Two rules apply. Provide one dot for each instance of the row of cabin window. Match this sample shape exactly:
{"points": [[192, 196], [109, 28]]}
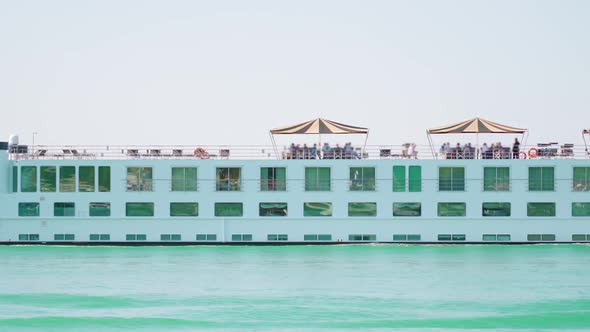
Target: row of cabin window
{"points": [[308, 237], [310, 209], [274, 179]]}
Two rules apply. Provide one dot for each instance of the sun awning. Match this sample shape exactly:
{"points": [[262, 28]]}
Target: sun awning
{"points": [[586, 131], [319, 126], [477, 126]]}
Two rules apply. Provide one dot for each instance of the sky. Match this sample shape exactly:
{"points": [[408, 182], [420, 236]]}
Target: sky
{"points": [[225, 72]]}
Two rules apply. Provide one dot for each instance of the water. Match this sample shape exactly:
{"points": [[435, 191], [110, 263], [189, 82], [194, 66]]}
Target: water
{"points": [[295, 288]]}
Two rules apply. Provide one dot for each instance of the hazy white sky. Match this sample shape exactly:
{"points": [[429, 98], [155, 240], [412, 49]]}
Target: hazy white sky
{"points": [[208, 72]]}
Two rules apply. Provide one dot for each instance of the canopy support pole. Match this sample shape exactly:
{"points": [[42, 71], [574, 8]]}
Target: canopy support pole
{"points": [[274, 144], [365, 145], [431, 144], [585, 143], [477, 145]]}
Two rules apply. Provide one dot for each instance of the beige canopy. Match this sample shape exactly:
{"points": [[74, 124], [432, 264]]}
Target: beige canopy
{"points": [[319, 126], [476, 126]]}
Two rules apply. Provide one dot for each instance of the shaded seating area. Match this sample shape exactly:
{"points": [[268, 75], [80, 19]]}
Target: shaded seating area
{"points": [[320, 127]]}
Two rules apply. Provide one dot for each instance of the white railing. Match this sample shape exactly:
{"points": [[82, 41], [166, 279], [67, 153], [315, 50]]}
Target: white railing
{"points": [[244, 152]]}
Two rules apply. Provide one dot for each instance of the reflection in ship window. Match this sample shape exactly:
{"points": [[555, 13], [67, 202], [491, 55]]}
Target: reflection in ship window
{"points": [[362, 209], [67, 179], [228, 179], [496, 178], [184, 179], [273, 179], [86, 178], [48, 178], [139, 179], [28, 179], [362, 179], [317, 179]]}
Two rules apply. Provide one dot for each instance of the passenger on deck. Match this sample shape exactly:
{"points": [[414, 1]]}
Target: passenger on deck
{"points": [[412, 152], [313, 151], [515, 148], [484, 151]]}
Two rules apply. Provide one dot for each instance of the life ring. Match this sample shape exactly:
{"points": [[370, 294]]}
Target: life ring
{"points": [[533, 153], [200, 153], [522, 155]]}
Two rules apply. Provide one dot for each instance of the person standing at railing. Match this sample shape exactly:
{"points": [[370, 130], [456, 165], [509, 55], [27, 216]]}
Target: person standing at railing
{"points": [[515, 148]]}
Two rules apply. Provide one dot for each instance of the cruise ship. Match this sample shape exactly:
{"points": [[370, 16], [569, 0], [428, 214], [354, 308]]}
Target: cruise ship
{"points": [[293, 194]]}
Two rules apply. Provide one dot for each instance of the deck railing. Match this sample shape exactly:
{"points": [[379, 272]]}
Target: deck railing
{"points": [[245, 152]]}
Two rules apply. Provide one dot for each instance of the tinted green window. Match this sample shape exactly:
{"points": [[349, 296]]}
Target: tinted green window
{"points": [[533, 237], [407, 209], [23, 237], [496, 178], [139, 179], [547, 237], [94, 237], [184, 179], [206, 237], [100, 237], [184, 209], [495, 209], [66, 209], [317, 209], [451, 209], [130, 237], [362, 178], [400, 237], [99, 209], [451, 179], [414, 237], [324, 237], [581, 179], [277, 237], [399, 178], [48, 179], [310, 237], [104, 178], [541, 209], [14, 179], [64, 237], [241, 237], [541, 179], [28, 209], [489, 237], [362, 237], [415, 178], [273, 179], [165, 237], [139, 209], [228, 179], [458, 237], [317, 179], [86, 178], [503, 237], [444, 237], [579, 237], [273, 209], [28, 179], [67, 179], [229, 209], [175, 237], [580, 209], [362, 209], [141, 237]]}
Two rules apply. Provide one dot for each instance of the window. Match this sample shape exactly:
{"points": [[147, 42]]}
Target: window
{"points": [[184, 179], [241, 237], [139, 209], [541, 179], [64, 209], [541, 237], [581, 237], [273, 209], [206, 237], [135, 237], [362, 209], [496, 179], [86, 179], [104, 179], [317, 209], [451, 179], [495, 209], [362, 237], [64, 237], [317, 237], [99, 209], [100, 237], [277, 237], [28, 179], [48, 179], [541, 209], [407, 209], [451, 237], [415, 178], [451, 209], [229, 209], [399, 178], [170, 237], [28, 237], [139, 179], [317, 179], [184, 209], [580, 209], [14, 179], [28, 209], [581, 179], [228, 179], [273, 179], [406, 237], [495, 237], [67, 179], [362, 179]]}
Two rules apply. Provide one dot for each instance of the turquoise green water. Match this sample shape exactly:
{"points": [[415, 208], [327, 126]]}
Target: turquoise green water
{"points": [[295, 288]]}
